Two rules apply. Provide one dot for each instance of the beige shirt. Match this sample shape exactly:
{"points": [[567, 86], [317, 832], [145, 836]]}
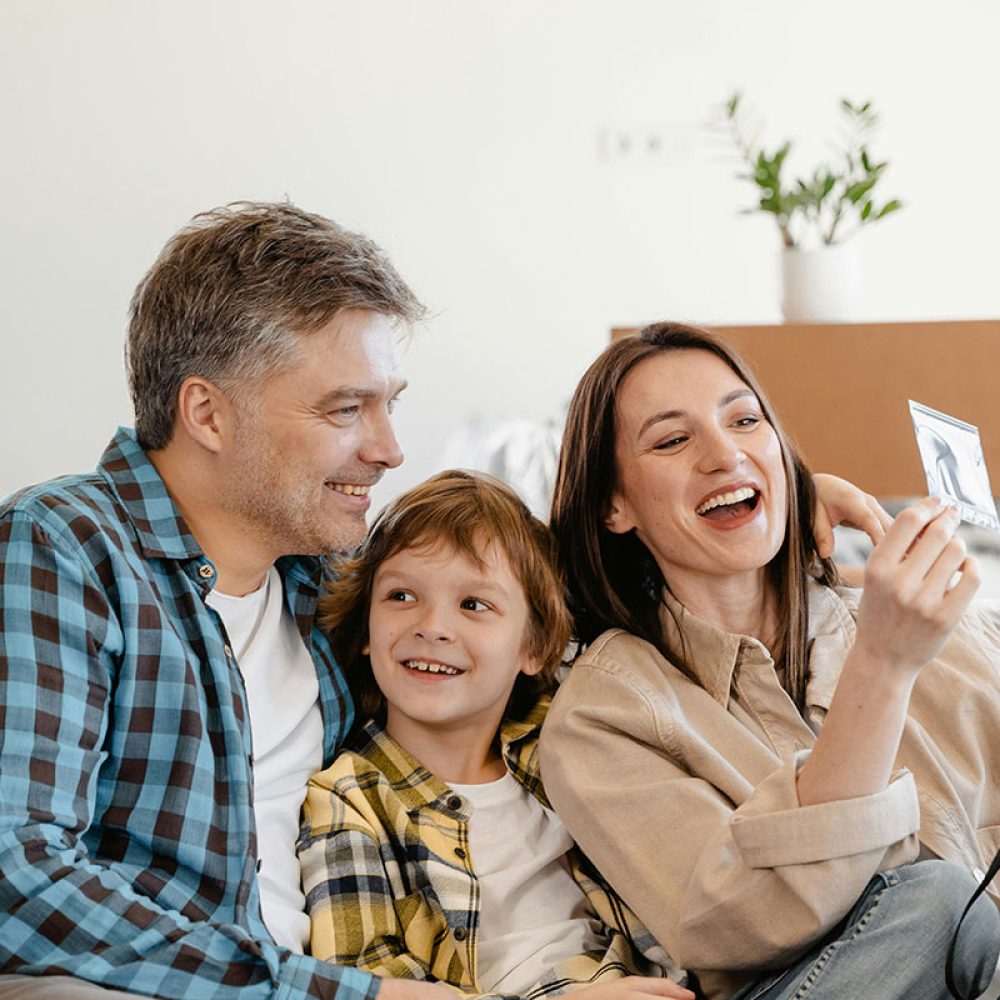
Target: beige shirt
{"points": [[683, 793]]}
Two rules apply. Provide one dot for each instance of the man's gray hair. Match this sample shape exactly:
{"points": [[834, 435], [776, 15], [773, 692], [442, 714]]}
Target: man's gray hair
{"points": [[231, 293]]}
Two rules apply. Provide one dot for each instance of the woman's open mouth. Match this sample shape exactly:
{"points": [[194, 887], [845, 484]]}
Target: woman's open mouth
{"points": [[729, 505]]}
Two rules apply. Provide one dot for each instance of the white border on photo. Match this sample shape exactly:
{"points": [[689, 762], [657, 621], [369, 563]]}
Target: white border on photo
{"points": [[954, 464]]}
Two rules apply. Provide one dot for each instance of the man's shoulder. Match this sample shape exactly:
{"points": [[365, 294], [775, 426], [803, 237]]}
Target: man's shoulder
{"points": [[79, 505]]}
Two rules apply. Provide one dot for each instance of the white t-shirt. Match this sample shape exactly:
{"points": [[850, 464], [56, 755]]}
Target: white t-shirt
{"points": [[532, 914], [287, 730]]}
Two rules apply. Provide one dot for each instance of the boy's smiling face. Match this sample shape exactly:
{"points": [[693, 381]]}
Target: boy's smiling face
{"points": [[447, 642]]}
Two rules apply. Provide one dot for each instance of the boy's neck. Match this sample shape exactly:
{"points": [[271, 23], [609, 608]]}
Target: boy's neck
{"points": [[454, 756]]}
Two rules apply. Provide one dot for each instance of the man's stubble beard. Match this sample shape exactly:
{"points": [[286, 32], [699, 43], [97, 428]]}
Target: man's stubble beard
{"points": [[264, 493]]}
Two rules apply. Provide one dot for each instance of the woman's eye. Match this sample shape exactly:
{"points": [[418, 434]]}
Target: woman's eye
{"points": [[474, 604], [751, 421], [669, 443]]}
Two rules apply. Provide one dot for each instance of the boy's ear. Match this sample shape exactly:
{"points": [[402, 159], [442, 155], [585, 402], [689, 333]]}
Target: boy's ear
{"points": [[616, 518]]}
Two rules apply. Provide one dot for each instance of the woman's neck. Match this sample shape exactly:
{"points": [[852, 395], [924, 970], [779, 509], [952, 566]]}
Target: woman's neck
{"points": [[744, 604]]}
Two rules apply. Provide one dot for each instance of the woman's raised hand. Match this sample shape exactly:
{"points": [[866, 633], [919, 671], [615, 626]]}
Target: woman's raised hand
{"points": [[912, 601], [841, 502]]}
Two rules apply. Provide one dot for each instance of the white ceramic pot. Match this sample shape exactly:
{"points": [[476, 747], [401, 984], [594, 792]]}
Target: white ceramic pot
{"points": [[820, 286]]}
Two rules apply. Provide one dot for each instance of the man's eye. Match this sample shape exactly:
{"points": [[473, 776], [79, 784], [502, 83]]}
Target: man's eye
{"points": [[474, 604], [347, 412], [391, 405]]}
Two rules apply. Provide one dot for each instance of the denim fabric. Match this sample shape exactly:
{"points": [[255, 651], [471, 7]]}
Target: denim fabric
{"points": [[894, 942]]}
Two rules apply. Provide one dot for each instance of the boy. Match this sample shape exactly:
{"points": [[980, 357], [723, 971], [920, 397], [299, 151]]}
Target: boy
{"points": [[428, 849]]}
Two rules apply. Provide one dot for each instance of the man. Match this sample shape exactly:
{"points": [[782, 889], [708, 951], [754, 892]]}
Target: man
{"points": [[164, 692]]}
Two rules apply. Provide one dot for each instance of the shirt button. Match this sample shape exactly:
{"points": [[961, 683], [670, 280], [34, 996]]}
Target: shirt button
{"points": [[205, 571], [455, 803], [978, 874], [459, 853], [461, 934], [229, 651]]}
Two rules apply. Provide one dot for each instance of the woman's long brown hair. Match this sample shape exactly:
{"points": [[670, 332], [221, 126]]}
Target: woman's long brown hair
{"points": [[613, 579]]}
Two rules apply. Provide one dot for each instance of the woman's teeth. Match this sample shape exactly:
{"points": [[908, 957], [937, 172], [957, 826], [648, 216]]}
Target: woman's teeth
{"points": [[422, 666], [724, 499]]}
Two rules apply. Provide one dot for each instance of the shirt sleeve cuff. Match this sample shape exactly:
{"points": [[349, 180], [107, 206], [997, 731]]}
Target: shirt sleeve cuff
{"points": [[771, 829], [302, 976]]}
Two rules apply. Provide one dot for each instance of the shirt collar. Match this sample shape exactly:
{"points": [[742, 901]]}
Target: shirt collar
{"points": [[160, 526], [158, 523], [418, 788], [712, 655]]}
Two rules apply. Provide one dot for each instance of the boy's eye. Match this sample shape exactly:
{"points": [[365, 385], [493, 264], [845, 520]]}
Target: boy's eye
{"points": [[399, 595], [474, 604]]}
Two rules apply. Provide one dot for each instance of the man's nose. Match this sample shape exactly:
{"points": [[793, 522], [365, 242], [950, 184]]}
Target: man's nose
{"points": [[381, 446]]}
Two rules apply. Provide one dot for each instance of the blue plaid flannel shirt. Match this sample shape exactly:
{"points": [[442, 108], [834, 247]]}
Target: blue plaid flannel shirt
{"points": [[127, 841]]}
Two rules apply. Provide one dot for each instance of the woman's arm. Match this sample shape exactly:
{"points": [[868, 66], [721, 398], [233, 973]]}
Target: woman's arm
{"points": [[696, 823], [908, 611]]}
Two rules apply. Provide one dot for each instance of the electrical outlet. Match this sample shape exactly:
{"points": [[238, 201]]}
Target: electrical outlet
{"points": [[642, 143]]}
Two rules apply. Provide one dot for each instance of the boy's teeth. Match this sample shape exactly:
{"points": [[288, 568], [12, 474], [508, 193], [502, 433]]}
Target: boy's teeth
{"points": [[721, 499], [430, 668]]}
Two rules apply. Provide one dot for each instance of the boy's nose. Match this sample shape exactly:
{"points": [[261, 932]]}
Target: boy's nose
{"points": [[433, 629]]}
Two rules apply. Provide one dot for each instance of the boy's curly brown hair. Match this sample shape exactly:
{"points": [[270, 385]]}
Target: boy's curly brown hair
{"points": [[469, 511]]}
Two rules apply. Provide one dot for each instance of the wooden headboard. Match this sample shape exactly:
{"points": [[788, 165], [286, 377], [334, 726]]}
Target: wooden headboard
{"points": [[841, 390]]}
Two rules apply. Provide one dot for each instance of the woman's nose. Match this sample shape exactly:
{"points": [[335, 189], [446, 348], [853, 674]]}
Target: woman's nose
{"points": [[720, 452]]}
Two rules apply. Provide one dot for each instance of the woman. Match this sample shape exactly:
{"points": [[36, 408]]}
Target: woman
{"points": [[753, 757]]}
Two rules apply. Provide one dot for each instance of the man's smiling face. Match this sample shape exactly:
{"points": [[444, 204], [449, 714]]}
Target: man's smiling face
{"points": [[312, 440]]}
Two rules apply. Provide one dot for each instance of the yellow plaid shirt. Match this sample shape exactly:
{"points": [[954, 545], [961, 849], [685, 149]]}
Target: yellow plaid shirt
{"points": [[389, 878]]}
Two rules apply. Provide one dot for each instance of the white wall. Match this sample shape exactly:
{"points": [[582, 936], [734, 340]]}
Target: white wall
{"points": [[463, 136]]}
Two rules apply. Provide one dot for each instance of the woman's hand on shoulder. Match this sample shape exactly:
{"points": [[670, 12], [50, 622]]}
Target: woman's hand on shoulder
{"points": [[632, 988], [841, 502], [912, 600]]}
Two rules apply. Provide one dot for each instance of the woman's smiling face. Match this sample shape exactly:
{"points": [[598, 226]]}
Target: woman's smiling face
{"points": [[700, 476]]}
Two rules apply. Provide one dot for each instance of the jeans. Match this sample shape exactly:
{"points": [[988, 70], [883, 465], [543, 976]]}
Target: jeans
{"points": [[894, 942]]}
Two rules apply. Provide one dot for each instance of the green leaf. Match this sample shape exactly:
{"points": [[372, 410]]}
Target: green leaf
{"points": [[866, 211], [889, 206], [856, 192]]}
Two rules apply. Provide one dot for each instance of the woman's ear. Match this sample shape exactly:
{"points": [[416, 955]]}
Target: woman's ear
{"points": [[531, 666], [616, 517]]}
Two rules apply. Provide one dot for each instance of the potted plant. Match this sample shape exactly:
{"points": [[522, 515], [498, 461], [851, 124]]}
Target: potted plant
{"points": [[818, 213]]}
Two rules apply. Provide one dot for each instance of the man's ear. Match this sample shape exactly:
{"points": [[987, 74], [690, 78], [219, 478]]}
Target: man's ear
{"points": [[204, 413], [616, 518]]}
